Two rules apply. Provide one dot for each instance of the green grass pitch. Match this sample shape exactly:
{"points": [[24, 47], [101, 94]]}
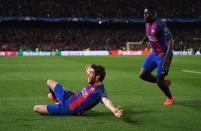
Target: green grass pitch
{"points": [[23, 84]]}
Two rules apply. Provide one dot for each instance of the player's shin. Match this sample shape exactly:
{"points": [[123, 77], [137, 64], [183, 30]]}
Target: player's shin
{"points": [[51, 91], [52, 96], [152, 78], [165, 89]]}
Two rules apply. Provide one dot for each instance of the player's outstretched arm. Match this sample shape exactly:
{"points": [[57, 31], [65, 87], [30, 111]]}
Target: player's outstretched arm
{"points": [[116, 110]]}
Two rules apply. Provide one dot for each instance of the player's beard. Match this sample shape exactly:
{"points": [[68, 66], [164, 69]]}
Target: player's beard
{"points": [[92, 81], [150, 19]]}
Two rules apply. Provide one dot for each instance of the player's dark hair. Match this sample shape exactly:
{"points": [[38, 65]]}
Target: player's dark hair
{"points": [[151, 8], [99, 70]]}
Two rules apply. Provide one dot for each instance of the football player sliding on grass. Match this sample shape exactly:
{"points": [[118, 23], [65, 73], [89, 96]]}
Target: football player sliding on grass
{"points": [[69, 103]]}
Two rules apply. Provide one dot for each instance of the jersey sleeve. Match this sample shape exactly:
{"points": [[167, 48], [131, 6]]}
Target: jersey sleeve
{"points": [[102, 93], [164, 30]]}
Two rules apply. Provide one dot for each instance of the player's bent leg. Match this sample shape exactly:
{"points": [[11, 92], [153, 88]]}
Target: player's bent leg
{"points": [[42, 109], [52, 84], [143, 74], [53, 98], [147, 76]]}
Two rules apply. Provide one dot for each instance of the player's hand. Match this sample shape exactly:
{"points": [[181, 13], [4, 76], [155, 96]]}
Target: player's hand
{"points": [[118, 112]]}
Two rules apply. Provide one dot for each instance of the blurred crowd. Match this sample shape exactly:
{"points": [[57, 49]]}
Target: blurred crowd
{"points": [[68, 36], [81, 37], [99, 8], [65, 38], [187, 37]]}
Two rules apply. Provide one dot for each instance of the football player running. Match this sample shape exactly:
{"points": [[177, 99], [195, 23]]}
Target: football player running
{"points": [[161, 40]]}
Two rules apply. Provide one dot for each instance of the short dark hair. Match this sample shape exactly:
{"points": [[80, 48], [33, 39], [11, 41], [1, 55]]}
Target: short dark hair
{"points": [[99, 70], [151, 8]]}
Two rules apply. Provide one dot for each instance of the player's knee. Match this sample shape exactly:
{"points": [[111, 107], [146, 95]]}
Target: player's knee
{"points": [[49, 82], [142, 76], [159, 82], [52, 84], [36, 108]]}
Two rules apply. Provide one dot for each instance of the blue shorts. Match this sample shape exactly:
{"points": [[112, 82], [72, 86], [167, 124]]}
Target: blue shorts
{"points": [[63, 107], [153, 61]]}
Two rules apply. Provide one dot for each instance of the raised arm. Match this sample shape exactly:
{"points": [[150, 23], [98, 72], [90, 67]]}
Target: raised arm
{"points": [[115, 110]]}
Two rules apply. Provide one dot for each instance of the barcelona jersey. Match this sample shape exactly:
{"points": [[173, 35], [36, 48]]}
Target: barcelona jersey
{"points": [[76, 104], [89, 96], [158, 33]]}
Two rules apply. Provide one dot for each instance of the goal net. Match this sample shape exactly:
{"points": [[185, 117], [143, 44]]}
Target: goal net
{"points": [[133, 45]]}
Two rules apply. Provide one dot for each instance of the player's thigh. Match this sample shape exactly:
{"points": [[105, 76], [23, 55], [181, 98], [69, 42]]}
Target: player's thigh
{"points": [[58, 109], [149, 64], [61, 93]]}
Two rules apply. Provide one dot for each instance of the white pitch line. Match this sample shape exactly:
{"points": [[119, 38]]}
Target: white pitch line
{"points": [[189, 71]]}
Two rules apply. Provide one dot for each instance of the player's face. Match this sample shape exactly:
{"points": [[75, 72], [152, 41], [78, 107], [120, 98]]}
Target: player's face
{"points": [[148, 15], [91, 77]]}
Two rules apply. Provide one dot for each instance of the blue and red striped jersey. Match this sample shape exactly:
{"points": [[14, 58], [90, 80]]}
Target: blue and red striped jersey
{"points": [[87, 98], [158, 33]]}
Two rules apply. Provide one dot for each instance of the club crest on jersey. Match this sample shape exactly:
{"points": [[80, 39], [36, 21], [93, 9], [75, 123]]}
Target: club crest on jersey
{"points": [[92, 89], [84, 92], [150, 38]]}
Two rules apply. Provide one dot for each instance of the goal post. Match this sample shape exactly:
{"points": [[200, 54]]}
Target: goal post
{"points": [[133, 45]]}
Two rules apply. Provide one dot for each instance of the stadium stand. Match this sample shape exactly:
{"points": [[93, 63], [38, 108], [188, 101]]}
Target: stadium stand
{"points": [[16, 35], [99, 8]]}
